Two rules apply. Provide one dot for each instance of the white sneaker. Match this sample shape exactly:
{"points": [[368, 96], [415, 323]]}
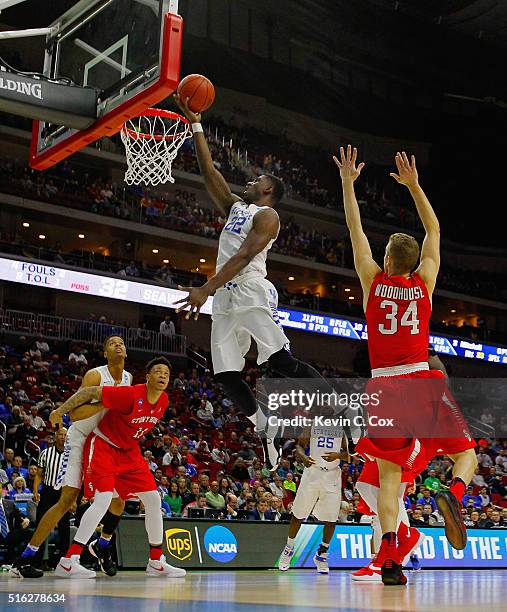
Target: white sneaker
{"points": [[71, 568], [161, 568], [321, 563], [284, 563]]}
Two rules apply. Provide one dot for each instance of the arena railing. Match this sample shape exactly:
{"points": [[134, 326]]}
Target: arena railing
{"points": [[78, 330]]}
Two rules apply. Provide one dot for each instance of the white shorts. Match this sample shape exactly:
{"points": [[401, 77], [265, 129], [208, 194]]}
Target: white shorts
{"points": [[370, 494], [245, 310], [319, 494], [70, 473]]}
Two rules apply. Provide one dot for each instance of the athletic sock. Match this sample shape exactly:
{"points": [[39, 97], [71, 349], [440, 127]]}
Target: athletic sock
{"points": [[458, 488], [30, 551], [155, 552], [74, 549], [290, 542], [323, 549], [403, 531], [104, 542]]}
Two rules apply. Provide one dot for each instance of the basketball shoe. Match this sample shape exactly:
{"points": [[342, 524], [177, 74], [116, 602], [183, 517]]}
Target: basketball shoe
{"points": [[368, 573], [162, 568], [71, 568], [450, 509], [284, 563], [104, 555]]}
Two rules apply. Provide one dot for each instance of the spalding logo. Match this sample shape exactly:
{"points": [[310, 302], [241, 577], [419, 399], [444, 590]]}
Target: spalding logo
{"points": [[220, 544]]}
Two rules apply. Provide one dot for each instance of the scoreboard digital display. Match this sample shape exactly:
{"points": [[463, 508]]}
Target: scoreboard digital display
{"points": [[52, 277]]}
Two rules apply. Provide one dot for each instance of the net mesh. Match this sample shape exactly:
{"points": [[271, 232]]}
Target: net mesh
{"points": [[152, 142]]}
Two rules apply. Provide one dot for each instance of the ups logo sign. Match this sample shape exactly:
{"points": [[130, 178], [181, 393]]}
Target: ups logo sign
{"points": [[179, 543]]}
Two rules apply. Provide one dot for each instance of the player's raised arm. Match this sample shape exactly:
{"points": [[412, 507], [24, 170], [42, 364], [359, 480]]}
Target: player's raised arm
{"points": [[265, 227], [430, 252], [366, 267], [216, 185]]}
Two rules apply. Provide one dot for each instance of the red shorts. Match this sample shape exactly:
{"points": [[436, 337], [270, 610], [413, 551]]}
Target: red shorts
{"points": [[369, 474], [107, 468], [420, 405]]}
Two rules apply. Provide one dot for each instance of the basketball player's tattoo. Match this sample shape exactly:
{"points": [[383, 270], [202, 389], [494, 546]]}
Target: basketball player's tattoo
{"points": [[82, 396]]}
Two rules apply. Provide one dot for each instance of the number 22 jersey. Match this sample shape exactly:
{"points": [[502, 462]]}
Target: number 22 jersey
{"points": [[129, 416], [398, 312]]}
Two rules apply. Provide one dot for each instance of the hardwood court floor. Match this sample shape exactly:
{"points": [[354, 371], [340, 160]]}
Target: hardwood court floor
{"points": [[266, 591]]}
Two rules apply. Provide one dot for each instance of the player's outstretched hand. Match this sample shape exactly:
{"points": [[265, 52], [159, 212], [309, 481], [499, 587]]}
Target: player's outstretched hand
{"points": [[183, 106], [407, 171], [347, 163], [308, 460], [195, 299], [331, 456], [55, 418]]}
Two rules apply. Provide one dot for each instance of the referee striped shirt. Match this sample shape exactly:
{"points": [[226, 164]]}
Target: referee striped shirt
{"points": [[50, 460]]}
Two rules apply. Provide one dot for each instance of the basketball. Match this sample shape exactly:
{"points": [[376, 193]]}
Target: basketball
{"points": [[199, 90]]}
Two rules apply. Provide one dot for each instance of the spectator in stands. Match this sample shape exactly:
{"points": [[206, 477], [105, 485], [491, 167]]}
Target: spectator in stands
{"points": [[289, 487], [7, 459], [167, 327], [35, 420], [472, 520], [247, 452], [470, 499], [276, 507], [203, 480], [231, 505], [416, 519], [205, 413], [158, 450], [19, 488], [200, 502], [426, 498], [42, 345], [174, 499], [77, 357], [19, 394], [432, 482], [180, 381], [4, 479], [478, 479], [483, 459], [24, 432], [220, 455], [149, 460], [495, 521], [131, 269], [484, 497], [261, 512], [17, 467], [501, 462], [16, 535], [30, 481], [163, 486], [495, 482], [239, 470], [192, 494], [214, 498]]}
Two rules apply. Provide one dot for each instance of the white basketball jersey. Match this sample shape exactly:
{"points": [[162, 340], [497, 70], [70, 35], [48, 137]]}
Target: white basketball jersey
{"points": [[86, 426], [239, 223], [325, 440]]}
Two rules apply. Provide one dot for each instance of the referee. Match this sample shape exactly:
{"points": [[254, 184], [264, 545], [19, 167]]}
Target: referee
{"points": [[48, 467]]}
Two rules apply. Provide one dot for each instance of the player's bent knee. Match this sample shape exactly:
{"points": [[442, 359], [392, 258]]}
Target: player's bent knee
{"points": [[68, 496], [117, 505]]}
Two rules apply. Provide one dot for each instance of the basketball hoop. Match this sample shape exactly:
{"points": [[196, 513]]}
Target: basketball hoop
{"points": [[152, 141]]}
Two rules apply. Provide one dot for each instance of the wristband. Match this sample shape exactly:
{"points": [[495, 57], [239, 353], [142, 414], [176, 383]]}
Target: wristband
{"points": [[197, 127]]}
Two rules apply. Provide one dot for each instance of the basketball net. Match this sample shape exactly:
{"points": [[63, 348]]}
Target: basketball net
{"points": [[152, 141]]}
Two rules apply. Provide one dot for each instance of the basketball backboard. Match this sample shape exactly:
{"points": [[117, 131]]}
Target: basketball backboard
{"points": [[128, 50]]}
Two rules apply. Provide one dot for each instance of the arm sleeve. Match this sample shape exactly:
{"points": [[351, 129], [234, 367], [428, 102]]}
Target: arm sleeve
{"points": [[119, 399]]}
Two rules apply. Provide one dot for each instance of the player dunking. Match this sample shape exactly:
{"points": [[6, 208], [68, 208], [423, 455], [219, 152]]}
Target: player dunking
{"points": [[112, 461], [397, 303], [70, 477], [245, 302]]}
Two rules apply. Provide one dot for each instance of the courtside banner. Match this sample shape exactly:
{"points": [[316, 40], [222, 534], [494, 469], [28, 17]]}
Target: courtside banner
{"points": [[202, 544], [31, 272]]}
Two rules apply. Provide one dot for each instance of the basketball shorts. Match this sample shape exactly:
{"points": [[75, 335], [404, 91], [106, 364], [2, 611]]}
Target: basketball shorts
{"points": [[70, 473], [243, 310], [107, 468], [368, 486], [420, 410], [319, 494]]}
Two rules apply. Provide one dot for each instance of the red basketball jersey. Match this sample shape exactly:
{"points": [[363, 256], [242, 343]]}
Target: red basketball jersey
{"points": [[129, 416], [398, 312]]}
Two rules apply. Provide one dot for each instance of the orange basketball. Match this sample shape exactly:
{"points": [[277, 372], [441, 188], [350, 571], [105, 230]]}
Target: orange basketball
{"points": [[199, 90]]}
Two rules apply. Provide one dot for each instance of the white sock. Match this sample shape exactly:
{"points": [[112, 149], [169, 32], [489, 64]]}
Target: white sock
{"points": [[92, 517], [153, 518], [290, 542], [259, 420]]}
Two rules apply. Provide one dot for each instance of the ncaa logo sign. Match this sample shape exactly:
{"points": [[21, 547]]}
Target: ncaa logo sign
{"points": [[179, 543], [220, 544]]}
